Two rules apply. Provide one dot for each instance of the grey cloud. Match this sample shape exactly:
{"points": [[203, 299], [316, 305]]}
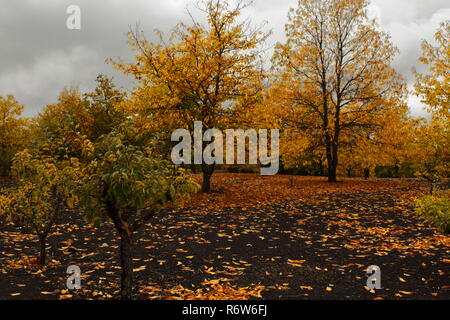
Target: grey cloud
{"points": [[39, 56]]}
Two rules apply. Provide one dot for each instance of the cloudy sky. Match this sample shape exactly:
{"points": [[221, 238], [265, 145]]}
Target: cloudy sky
{"points": [[39, 55]]}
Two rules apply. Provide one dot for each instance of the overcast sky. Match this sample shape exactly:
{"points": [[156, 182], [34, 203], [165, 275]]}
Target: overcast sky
{"points": [[39, 55]]}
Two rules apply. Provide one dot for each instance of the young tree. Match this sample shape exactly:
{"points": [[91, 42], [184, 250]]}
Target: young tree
{"points": [[199, 75], [128, 185], [101, 106], [335, 69], [14, 131], [44, 188], [62, 127]]}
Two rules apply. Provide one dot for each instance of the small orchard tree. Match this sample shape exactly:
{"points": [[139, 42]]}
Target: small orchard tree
{"points": [[128, 185], [31, 208], [101, 108], [44, 188], [62, 127], [14, 131]]}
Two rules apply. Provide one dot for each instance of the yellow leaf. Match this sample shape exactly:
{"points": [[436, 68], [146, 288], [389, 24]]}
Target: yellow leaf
{"points": [[306, 288], [139, 269]]}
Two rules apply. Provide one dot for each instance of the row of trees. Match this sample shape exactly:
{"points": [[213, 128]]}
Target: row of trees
{"points": [[84, 154], [331, 91]]}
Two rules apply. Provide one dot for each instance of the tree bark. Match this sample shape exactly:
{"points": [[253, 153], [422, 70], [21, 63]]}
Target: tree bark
{"points": [[397, 171], [432, 186], [43, 253], [208, 171], [332, 155], [366, 173], [332, 168], [321, 168], [330, 160], [126, 262], [349, 172]]}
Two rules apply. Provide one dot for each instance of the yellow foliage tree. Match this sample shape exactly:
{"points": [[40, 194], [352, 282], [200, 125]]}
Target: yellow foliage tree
{"points": [[61, 127], [45, 186], [204, 73], [14, 131], [433, 138], [434, 86], [334, 74], [389, 143]]}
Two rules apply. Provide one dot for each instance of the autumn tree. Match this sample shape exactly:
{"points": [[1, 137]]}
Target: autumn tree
{"points": [[432, 155], [45, 187], [14, 131], [101, 106], [128, 185], [389, 143], [433, 138], [434, 86], [334, 74], [62, 127], [200, 74]]}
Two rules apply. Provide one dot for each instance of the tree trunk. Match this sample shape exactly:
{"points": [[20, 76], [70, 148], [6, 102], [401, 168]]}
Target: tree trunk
{"points": [[321, 168], [366, 173], [43, 253], [332, 176], [397, 170], [206, 183], [331, 149], [432, 186], [331, 168], [126, 262], [349, 172], [208, 171]]}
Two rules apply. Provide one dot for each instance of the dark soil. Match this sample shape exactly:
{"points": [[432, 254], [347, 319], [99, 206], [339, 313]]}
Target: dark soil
{"points": [[338, 236]]}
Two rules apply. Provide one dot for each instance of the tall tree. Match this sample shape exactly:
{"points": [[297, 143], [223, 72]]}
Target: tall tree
{"points": [[200, 74], [434, 86], [336, 72], [433, 138]]}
